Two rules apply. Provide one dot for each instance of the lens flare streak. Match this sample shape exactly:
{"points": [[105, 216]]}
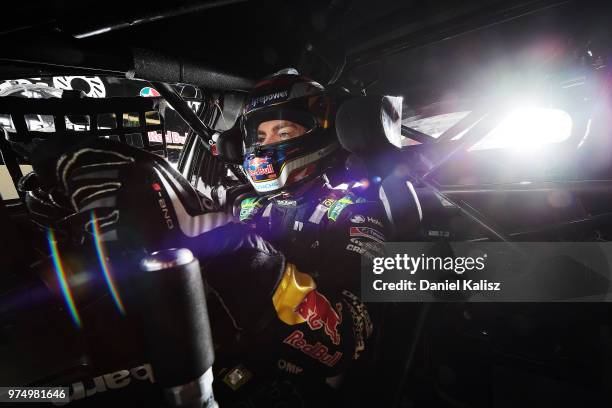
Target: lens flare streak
{"points": [[62, 279], [106, 270]]}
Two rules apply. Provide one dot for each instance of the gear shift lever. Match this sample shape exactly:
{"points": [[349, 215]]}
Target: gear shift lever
{"points": [[177, 330]]}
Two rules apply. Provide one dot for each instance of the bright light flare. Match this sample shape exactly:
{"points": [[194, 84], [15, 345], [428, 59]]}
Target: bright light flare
{"points": [[104, 265], [528, 129], [62, 279]]}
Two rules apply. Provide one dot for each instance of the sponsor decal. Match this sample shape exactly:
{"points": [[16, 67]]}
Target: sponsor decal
{"points": [[249, 207], [358, 219], [375, 221], [190, 225], [266, 99], [365, 232], [355, 248], [368, 248], [267, 185], [362, 323], [163, 206], [328, 202], [317, 351], [237, 377], [360, 251], [171, 137], [289, 367], [148, 91], [92, 86], [111, 381], [261, 170], [376, 247], [286, 203], [319, 313], [338, 207], [260, 166]]}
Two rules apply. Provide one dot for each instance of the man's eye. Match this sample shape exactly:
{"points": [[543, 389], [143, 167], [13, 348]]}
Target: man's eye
{"points": [[284, 134]]}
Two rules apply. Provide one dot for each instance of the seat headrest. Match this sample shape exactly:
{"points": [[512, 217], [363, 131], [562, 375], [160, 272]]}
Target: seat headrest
{"points": [[369, 125]]}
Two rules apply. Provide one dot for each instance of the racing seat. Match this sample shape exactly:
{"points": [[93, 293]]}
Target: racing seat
{"points": [[370, 128]]}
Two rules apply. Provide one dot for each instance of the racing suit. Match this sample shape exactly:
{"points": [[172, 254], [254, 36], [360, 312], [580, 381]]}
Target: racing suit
{"points": [[320, 324]]}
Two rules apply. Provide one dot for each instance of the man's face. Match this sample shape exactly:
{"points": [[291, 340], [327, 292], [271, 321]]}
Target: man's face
{"points": [[275, 131]]}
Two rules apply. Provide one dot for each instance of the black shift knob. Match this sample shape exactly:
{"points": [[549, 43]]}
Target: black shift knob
{"points": [[177, 330]]}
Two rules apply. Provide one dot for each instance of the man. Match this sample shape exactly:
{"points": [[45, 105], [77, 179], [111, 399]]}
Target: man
{"points": [[283, 282], [290, 144]]}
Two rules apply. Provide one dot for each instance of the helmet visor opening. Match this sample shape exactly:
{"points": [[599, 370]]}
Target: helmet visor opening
{"points": [[276, 126]]}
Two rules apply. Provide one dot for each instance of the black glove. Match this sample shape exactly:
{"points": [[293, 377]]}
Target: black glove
{"points": [[44, 207]]}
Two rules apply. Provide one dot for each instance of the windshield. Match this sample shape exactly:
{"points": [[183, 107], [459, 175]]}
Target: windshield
{"points": [[521, 128]]}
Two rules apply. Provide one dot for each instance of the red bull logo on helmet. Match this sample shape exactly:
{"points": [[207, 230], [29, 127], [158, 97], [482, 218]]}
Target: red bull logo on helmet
{"points": [[261, 170], [260, 166], [316, 310]]}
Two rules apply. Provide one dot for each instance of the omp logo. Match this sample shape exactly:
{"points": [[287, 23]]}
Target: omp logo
{"points": [[163, 206], [289, 367], [191, 225], [263, 100]]}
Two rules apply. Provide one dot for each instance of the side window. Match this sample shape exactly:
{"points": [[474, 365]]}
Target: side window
{"points": [[7, 188], [176, 128]]}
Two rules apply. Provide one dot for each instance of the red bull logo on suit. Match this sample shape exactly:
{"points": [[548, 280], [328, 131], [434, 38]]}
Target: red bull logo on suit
{"points": [[317, 351], [319, 313]]}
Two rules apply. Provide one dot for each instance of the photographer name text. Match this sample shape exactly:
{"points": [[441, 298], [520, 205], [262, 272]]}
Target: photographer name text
{"points": [[436, 266]]}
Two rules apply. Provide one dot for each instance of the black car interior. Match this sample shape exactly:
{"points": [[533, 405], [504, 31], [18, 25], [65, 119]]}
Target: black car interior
{"points": [[444, 354]]}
